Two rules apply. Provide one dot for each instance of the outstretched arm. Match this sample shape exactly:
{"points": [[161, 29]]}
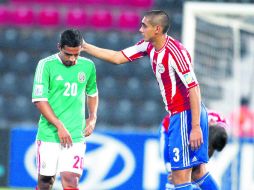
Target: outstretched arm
{"points": [[108, 55]]}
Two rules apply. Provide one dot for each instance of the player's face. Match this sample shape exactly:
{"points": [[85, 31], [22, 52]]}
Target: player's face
{"points": [[69, 55], [147, 30]]}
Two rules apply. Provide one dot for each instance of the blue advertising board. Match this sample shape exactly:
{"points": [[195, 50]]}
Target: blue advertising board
{"points": [[113, 161], [123, 161]]}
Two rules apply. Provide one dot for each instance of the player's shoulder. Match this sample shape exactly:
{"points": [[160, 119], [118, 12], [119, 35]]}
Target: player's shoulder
{"points": [[84, 60], [48, 59], [175, 43]]}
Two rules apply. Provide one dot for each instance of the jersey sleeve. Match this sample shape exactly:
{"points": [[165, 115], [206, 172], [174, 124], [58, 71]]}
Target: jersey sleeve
{"points": [[91, 88], [41, 83], [137, 51], [181, 62]]}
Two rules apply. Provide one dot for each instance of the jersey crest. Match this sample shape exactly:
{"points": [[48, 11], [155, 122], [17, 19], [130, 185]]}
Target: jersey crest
{"points": [[81, 77], [161, 68]]}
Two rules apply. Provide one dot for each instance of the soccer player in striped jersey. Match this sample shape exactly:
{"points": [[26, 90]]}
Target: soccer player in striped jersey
{"points": [[62, 84], [217, 140], [171, 64]]}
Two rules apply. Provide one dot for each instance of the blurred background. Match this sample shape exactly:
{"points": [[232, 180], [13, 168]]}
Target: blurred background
{"points": [[220, 37]]}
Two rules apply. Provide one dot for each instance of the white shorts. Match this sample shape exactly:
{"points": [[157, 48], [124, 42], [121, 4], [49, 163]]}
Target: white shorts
{"points": [[53, 158]]}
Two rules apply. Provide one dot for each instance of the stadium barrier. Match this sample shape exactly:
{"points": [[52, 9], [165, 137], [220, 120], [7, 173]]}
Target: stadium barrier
{"points": [[121, 160]]}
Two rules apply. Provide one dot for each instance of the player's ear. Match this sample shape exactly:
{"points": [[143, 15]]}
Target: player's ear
{"points": [[59, 46], [158, 29]]}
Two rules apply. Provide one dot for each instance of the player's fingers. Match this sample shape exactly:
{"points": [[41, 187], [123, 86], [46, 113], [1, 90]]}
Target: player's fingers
{"points": [[69, 141], [88, 132], [194, 145], [63, 142]]}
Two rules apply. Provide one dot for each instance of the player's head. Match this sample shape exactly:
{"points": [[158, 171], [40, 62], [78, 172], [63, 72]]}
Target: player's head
{"points": [[217, 138], [70, 45], [155, 22]]}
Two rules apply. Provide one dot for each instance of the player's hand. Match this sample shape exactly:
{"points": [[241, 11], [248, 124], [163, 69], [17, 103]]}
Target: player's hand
{"points": [[64, 136], [90, 125], [84, 45], [196, 138]]}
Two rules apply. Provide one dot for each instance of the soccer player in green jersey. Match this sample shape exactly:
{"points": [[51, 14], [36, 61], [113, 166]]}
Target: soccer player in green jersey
{"points": [[63, 82]]}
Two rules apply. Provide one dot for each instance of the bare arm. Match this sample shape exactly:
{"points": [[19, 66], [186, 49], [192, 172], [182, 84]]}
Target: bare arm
{"points": [[48, 113], [92, 104], [196, 137], [108, 55]]}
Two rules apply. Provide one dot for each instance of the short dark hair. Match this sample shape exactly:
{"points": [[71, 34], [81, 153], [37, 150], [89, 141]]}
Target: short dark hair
{"points": [[71, 38], [159, 17], [217, 137]]}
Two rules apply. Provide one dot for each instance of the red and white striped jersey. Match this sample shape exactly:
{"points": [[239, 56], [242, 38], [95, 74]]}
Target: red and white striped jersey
{"points": [[172, 68]]}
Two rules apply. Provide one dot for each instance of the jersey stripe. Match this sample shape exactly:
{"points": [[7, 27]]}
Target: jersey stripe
{"points": [[167, 93], [179, 54], [173, 80], [39, 72], [41, 65], [184, 135], [178, 60]]}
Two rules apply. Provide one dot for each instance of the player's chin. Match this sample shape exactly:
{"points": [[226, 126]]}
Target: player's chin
{"points": [[147, 39], [68, 63]]}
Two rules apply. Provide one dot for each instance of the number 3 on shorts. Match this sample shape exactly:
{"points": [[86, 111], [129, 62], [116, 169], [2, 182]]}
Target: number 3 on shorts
{"points": [[176, 154]]}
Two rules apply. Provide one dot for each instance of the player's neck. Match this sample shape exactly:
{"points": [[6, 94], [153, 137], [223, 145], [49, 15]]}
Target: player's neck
{"points": [[159, 42]]}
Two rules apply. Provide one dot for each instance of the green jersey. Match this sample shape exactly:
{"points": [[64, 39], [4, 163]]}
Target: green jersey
{"points": [[65, 88]]}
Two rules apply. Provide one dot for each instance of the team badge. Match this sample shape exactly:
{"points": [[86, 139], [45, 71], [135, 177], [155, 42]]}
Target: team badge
{"points": [[188, 78], [161, 68], [81, 77]]}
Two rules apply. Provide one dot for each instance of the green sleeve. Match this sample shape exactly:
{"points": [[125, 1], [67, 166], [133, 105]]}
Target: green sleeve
{"points": [[91, 87], [41, 81]]}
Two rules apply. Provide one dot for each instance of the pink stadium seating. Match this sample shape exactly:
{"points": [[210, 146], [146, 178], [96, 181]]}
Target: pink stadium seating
{"points": [[102, 19], [76, 18], [21, 1], [129, 20], [43, 1], [91, 2], [145, 4], [4, 15], [119, 3], [49, 16], [23, 16], [67, 2]]}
